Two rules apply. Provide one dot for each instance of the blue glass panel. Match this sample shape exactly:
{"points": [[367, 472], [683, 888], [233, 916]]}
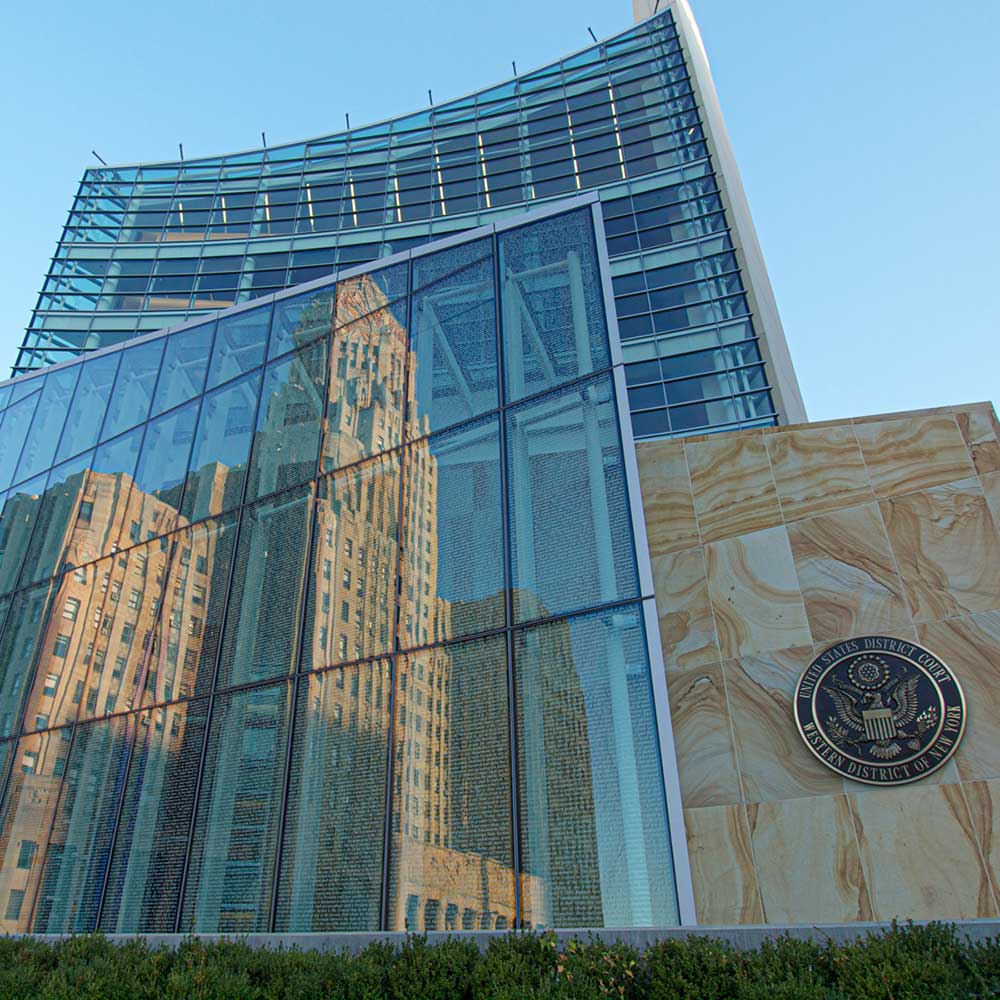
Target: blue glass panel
{"points": [[233, 854], [262, 619], [595, 847], [352, 585], [554, 324], [182, 373], [29, 805], [162, 468], [289, 421], [186, 635], [58, 536], [453, 338], [571, 535], [146, 869], [239, 345], [89, 405], [76, 860], [452, 841], [8, 520], [452, 574], [134, 386], [331, 863], [17, 522], [47, 424], [13, 431], [221, 446], [5, 391], [23, 389], [300, 320]]}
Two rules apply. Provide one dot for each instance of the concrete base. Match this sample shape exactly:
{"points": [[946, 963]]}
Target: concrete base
{"points": [[745, 938]]}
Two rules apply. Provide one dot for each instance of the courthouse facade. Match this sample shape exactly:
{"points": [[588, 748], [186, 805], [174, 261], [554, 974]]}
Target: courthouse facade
{"points": [[336, 593]]}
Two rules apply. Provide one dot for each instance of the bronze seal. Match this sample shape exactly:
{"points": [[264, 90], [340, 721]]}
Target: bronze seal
{"points": [[880, 710]]}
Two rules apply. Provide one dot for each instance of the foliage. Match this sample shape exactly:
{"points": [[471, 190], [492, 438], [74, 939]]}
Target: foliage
{"points": [[904, 963]]}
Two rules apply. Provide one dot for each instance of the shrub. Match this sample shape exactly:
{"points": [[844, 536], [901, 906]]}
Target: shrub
{"points": [[903, 963]]}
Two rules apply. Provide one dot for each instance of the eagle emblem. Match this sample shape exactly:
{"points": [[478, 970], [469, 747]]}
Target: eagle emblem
{"points": [[877, 711]]}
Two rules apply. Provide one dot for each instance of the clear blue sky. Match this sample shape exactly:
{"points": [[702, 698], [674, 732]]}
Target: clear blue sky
{"points": [[866, 132]]}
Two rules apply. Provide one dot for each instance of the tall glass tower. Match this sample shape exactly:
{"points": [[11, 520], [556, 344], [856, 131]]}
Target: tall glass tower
{"points": [[634, 117]]}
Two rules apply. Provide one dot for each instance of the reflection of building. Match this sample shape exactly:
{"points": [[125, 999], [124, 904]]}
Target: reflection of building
{"points": [[112, 634], [257, 656], [634, 117]]}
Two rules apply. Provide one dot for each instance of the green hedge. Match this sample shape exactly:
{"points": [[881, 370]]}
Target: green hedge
{"points": [[905, 963]]}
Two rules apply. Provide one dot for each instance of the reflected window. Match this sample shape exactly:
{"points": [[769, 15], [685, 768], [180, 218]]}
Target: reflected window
{"points": [[237, 818], [80, 839], [184, 658], [595, 848], [571, 538], [451, 824], [365, 406], [262, 621], [289, 418], [452, 574], [239, 345], [331, 874], [554, 322], [453, 341], [343, 620], [134, 385], [148, 860]]}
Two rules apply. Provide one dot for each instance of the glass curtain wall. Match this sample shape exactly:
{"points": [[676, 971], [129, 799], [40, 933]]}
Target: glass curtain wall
{"points": [[325, 615], [148, 246]]}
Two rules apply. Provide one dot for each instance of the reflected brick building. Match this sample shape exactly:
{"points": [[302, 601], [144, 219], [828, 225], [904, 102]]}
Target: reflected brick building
{"points": [[142, 673]]}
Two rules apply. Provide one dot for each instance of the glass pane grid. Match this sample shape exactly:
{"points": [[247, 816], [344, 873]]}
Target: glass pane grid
{"points": [[619, 117], [268, 599]]}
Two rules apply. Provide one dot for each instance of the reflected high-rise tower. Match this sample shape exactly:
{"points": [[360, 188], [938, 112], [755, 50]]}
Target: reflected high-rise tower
{"points": [[634, 117], [136, 601], [325, 612]]}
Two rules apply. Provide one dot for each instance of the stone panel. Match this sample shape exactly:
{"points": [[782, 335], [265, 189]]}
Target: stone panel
{"points": [[703, 737], [777, 544], [817, 470], [848, 575], [812, 840], [913, 453], [947, 549], [687, 628], [774, 762], [920, 854], [991, 490], [983, 798], [970, 646], [722, 866], [666, 497], [978, 427], [733, 488], [755, 593]]}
